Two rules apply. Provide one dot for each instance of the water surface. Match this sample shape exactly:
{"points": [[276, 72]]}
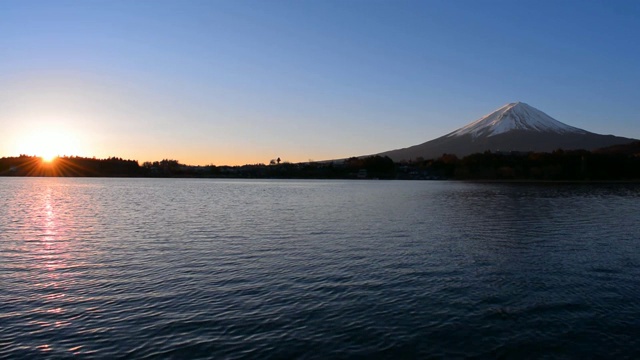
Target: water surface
{"points": [[314, 269]]}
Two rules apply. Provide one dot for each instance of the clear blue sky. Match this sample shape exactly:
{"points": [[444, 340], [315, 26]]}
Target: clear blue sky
{"points": [[234, 82]]}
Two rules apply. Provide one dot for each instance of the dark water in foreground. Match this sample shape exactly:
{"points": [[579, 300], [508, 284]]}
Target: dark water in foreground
{"points": [[313, 269]]}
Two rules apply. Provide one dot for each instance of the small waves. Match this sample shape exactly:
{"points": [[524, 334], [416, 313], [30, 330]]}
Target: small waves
{"points": [[283, 269]]}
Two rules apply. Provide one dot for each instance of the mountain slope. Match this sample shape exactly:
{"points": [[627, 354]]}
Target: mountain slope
{"points": [[515, 116], [513, 127]]}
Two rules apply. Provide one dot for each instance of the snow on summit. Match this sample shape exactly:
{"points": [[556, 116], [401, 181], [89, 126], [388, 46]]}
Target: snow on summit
{"points": [[513, 127], [515, 116]]}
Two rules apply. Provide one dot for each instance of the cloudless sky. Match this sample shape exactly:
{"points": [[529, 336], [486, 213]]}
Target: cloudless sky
{"points": [[235, 82]]}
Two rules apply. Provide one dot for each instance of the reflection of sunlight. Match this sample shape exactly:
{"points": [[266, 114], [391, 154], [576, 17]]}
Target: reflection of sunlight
{"points": [[46, 264], [49, 232], [54, 248], [49, 218], [50, 263], [44, 348]]}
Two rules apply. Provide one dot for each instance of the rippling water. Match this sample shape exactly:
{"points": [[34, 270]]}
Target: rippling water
{"points": [[315, 269]]}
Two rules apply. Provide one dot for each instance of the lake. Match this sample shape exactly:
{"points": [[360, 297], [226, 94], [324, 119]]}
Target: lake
{"points": [[189, 268]]}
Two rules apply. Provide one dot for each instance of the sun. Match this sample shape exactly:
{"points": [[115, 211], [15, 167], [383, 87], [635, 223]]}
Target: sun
{"points": [[48, 144], [48, 157]]}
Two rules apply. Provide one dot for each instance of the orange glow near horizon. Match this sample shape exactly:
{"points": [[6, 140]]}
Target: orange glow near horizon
{"points": [[52, 143], [48, 158], [49, 143]]}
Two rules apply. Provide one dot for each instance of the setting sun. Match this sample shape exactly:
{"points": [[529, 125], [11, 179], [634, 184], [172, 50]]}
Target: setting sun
{"points": [[49, 144], [48, 157]]}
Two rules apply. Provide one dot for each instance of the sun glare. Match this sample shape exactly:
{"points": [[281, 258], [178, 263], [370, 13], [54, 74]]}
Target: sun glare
{"points": [[48, 157], [49, 144]]}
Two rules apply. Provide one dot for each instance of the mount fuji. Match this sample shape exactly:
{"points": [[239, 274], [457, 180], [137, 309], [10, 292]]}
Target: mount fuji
{"points": [[513, 127]]}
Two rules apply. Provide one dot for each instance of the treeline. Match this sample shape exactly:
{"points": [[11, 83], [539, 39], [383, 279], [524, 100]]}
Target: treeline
{"points": [[559, 165], [25, 165], [370, 167], [615, 163]]}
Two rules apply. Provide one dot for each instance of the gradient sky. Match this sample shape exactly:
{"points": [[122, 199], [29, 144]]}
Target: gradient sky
{"points": [[235, 82]]}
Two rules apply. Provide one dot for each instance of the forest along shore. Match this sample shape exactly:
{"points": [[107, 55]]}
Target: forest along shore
{"points": [[621, 163]]}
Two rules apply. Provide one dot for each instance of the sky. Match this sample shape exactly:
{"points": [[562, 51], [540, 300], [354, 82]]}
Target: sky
{"points": [[243, 82]]}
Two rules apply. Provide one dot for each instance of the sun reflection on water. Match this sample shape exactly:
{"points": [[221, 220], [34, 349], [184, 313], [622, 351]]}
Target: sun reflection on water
{"points": [[51, 263]]}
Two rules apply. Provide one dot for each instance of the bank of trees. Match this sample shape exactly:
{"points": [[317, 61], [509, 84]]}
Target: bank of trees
{"points": [[616, 163], [25, 165], [558, 165]]}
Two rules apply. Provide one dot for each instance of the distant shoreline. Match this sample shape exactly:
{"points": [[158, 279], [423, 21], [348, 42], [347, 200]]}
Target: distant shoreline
{"points": [[481, 181], [620, 164]]}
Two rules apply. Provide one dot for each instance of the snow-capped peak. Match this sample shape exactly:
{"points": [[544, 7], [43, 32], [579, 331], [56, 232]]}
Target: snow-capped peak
{"points": [[515, 116]]}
